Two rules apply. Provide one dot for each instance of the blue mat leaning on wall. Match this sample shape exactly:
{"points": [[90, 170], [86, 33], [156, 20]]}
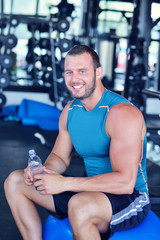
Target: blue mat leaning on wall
{"points": [[36, 113], [33, 113]]}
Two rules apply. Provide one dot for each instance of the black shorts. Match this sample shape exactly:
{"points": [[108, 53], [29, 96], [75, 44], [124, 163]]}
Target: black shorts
{"points": [[128, 210]]}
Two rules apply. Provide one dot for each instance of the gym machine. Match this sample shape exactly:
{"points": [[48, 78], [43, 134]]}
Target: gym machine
{"points": [[138, 44]]}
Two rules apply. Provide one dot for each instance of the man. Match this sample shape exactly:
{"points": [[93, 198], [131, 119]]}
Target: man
{"points": [[110, 134]]}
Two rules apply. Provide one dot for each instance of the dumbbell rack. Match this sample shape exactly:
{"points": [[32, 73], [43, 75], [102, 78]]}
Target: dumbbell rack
{"points": [[50, 75], [51, 68], [7, 42]]}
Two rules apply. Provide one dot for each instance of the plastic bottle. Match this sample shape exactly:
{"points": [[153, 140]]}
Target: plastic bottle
{"points": [[34, 163]]}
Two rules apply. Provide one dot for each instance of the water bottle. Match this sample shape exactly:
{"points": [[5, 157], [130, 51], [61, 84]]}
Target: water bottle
{"points": [[34, 163]]}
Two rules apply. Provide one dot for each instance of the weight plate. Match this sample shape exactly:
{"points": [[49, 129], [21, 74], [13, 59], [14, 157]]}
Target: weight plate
{"points": [[4, 80], [43, 27], [65, 44], [7, 61], [63, 25], [44, 43], [3, 100], [10, 41], [3, 23], [46, 60], [32, 27], [14, 21]]}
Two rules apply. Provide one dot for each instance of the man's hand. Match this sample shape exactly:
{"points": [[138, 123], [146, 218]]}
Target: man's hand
{"points": [[28, 179], [49, 183]]}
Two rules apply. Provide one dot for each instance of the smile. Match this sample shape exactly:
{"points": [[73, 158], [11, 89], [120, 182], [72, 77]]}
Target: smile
{"points": [[77, 87]]}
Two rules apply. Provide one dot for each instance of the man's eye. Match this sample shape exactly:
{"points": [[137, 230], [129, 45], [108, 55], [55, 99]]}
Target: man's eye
{"points": [[82, 71], [68, 73]]}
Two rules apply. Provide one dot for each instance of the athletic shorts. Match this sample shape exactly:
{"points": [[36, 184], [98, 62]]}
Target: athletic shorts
{"points": [[128, 210]]}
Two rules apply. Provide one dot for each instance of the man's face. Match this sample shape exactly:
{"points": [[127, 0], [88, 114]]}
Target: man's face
{"points": [[80, 75]]}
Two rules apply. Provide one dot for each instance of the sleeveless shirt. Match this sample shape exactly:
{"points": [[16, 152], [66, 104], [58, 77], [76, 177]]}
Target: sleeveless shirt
{"points": [[90, 140]]}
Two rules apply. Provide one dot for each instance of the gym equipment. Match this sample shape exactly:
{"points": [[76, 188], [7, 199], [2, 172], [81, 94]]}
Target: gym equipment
{"points": [[65, 8], [148, 229], [55, 229], [10, 41], [32, 26], [136, 76], [32, 43], [4, 80], [10, 110], [3, 100], [3, 23], [36, 113], [47, 77], [65, 44], [44, 43], [6, 60], [7, 42], [63, 25], [2, 38], [44, 68], [151, 93], [46, 60], [14, 21]]}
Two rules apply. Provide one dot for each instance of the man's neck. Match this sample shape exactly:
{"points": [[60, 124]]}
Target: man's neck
{"points": [[91, 102]]}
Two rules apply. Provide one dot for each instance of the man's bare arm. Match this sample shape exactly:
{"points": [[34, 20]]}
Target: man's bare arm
{"points": [[61, 154]]}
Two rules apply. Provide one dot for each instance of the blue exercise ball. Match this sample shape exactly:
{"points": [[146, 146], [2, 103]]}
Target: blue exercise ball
{"points": [[149, 229], [55, 229]]}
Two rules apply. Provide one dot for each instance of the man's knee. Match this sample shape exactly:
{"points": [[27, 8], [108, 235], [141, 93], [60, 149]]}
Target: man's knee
{"points": [[79, 209], [13, 181]]}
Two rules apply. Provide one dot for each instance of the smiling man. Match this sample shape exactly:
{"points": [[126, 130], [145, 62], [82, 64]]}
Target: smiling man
{"points": [[110, 134], [80, 78]]}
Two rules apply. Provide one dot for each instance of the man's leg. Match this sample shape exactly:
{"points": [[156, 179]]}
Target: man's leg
{"points": [[21, 199], [89, 213]]}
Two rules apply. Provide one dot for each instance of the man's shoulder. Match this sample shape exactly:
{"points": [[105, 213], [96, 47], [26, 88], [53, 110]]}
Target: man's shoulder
{"points": [[124, 110], [64, 115], [66, 108], [124, 116]]}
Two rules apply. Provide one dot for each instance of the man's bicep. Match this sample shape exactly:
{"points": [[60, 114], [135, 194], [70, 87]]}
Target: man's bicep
{"points": [[126, 143], [125, 154]]}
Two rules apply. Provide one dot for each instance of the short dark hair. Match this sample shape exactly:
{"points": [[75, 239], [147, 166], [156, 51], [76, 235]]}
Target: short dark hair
{"points": [[80, 49]]}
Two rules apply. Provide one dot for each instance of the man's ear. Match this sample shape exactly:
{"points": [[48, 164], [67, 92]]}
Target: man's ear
{"points": [[99, 72]]}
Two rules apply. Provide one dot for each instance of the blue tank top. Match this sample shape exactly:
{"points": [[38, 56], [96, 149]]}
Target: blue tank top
{"points": [[89, 138]]}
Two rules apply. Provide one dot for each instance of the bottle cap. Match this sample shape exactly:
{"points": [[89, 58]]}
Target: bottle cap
{"points": [[32, 152]]}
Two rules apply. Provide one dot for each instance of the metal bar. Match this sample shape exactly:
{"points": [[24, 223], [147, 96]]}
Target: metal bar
{"points": [[151, 93], [54, 74]]}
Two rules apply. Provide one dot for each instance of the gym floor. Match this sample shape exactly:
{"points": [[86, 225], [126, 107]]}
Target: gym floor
{"points": [[15, 142]]}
